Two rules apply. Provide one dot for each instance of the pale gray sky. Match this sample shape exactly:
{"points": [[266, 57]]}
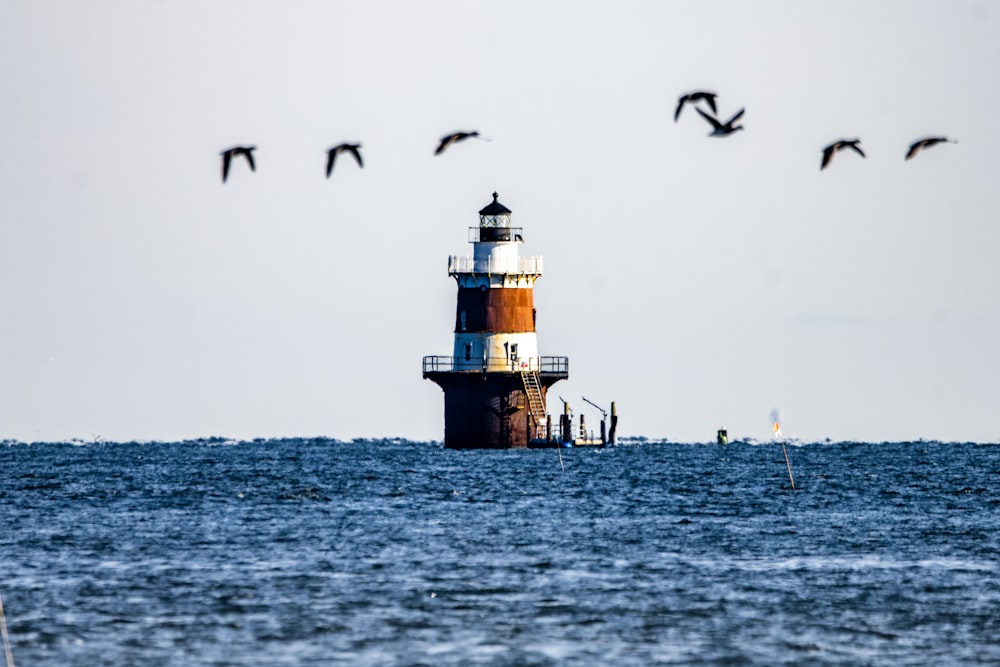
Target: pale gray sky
{"points": [[699, 282]]}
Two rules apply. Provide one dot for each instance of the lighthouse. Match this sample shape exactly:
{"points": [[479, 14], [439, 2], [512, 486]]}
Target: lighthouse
{"points": [[495, 382]]}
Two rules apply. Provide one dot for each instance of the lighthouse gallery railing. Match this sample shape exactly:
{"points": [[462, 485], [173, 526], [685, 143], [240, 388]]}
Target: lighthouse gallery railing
{"points": [[531, 266], [544, 365]]}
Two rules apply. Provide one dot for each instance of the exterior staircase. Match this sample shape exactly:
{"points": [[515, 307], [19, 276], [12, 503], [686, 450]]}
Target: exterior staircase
{"points": [[536, 404]]}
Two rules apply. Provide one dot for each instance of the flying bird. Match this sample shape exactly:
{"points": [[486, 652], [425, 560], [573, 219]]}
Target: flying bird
{"points": [[720, 129], [454, 138], [838, 146], [333, 151], [927, 142], [227, 156], [696, 96]]}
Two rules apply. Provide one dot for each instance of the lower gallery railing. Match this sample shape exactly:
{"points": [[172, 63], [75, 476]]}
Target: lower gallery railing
{"points": [[545, 365]]}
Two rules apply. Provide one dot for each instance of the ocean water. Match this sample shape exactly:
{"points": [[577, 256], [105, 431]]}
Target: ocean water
{"points": [[319, 552]]}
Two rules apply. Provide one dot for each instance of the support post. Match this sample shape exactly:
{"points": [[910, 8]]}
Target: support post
{"points": [[565, 427], [614, 423]]}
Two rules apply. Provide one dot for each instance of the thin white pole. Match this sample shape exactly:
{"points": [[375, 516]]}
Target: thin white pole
{"points": [[6, 639], [788, 464]]}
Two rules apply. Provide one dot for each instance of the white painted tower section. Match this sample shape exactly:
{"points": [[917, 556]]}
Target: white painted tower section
{"points": [[496, 264]]}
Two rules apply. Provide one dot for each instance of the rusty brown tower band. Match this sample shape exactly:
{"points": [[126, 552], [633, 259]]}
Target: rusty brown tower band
{"points": [[495, 383]]}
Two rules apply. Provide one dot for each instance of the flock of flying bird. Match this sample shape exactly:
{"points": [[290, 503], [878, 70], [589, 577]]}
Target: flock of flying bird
{"points": [[332, 152], [719, 129]]}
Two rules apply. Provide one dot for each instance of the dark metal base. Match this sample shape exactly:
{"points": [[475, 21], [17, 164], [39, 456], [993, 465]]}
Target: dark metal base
{"points": [[487, 410]]}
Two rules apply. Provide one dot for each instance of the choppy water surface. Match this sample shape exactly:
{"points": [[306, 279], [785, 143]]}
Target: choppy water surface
{"points": [[316, 552]]}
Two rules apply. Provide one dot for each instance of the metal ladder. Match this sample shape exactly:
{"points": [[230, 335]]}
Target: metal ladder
{"points": [[536, 403]]}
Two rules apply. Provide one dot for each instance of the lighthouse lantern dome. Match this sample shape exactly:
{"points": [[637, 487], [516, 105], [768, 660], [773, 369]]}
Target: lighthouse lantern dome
{"points": [[494, 215], [494, 224]]}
